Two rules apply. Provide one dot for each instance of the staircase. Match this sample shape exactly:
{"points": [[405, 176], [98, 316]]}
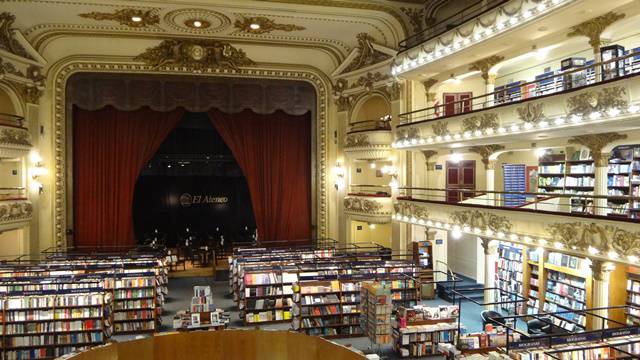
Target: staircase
{"points": [[445, 291]]}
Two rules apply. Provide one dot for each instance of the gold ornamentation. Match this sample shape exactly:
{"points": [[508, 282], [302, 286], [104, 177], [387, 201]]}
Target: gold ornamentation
{"points": [[440, 128], [590, 101], [531, 113], [15, 136], [9, 68], [416, 18], [604, 238], [339, 87], [18, 210], [393, 91], [366, 206], [202, 24], [428, 154], [593, 28], [485, 151], [408, 133], [367, 54], [368, 81], [481, 220], [428, 84], [344, 103], [595, 143], [480, 122], [196, 55], [266, 25], [411, 210], [484, 65], [126, 17], [7, 40], [355, 140]]}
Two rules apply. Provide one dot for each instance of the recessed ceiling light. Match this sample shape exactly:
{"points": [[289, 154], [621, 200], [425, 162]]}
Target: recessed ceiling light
{"points": [[197, 23], [254, 26], [136, 18]]}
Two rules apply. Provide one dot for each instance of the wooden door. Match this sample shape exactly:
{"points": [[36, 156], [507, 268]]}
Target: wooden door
{"points": [[461, 175], [456, 103]]}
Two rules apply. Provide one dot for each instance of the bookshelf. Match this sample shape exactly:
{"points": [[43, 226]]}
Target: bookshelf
{"points": [[551, 173], [567, 288], [376, 309], [576, 175], [633, 296], [318, 309], [509, 275], [135, 299], [418, 330], [623, 179], [267, 294], [534, 285]]}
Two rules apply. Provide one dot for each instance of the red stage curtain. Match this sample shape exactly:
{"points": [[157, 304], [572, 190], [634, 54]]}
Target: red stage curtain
{"points": [[274, 153], [110, 147]]}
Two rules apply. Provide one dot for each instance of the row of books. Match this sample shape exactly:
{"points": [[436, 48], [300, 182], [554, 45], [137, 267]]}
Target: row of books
{"points": [[564, 260], [267, 316]]}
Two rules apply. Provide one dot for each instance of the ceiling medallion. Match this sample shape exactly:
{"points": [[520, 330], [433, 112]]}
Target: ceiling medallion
{"points": [[135, 18], [263, 25], [196, 55], [186, 20]]}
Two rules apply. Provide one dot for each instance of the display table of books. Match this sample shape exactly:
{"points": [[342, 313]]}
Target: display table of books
{"points": [[202, 314], [417, 331]]}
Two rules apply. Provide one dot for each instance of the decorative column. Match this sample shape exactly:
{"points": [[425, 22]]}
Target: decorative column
{"points": [[593, 29], [485, 152], [343, 106], [484, 66], [490, 251], [429, 166], [601, 276], [595, 143]]}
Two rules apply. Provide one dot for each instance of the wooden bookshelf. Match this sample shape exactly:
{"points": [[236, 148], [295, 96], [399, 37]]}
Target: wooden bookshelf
{"points": [[623, 179], [509, 275], [534, 284]]}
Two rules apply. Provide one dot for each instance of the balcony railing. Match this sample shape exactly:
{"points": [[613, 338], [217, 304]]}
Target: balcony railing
{"points": [[592, 74], [460, 17], [11, 120], [370, 190], [12, 193], [370, 125], [626, 208]]}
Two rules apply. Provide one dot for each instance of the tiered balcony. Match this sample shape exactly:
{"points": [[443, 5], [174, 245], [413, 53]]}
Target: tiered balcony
{"points": [[606, 96], [15, 208], [14, 136], [369, 140], [369, 203]]}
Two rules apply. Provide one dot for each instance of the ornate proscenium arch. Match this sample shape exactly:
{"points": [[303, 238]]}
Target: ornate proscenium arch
{"points": [[63, 71]]}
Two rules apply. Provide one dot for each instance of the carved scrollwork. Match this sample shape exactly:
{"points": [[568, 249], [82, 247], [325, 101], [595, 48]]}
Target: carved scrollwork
{"points": [[197, 55], [604, 238], [246, 24], [8, 42], [408, 133], [344, 103], [15, 210], [365, 206], [356, 140], [531, 113], [480, 122], [481, 220], [440, 128], [368, 81], [590, 101], [411, 210], [366, 54], [134, 18], [14, 136]]}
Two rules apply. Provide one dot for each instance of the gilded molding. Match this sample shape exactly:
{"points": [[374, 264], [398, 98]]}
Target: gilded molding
{"points": [[428, 154], [481, 220], [593, 28], [416, 18], [408, 133], [343, 103], [485, 151], [14, 136], [364, 206], [440, 128], [531, 113], [9, 68], [366, 54], [409, 209], [485, 65], [65, 70], [597, 100], [393, 91], [428, 84], [8, 41], [196, 55], [595, 143], [125, 17], [266, 25], [15, 210], [356, 140], [581, 236], [480, 122], [368, 80]]}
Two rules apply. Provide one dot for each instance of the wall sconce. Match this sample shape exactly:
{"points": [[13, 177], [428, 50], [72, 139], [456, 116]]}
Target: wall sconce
{"points": [[338, 171], [35, 171]]}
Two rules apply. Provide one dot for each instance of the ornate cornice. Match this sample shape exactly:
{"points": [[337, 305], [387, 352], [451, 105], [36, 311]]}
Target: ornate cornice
{"points": [[15, 210], [125, 17], [14, 136], [266, 25], [195, 55], [356, 140], [593, 28], [368, 80], [8, 41], [484, 65], [481, 220], [364, 206], [480, 122], [595, 143], [411, 210], [597, 100], [416, 18], [343, 103], [531, 113], [485, 151], [366, 54], [65, 69], [579, 236]]}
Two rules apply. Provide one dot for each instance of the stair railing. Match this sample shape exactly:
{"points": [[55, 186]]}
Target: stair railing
{"points": [[449, 273]]}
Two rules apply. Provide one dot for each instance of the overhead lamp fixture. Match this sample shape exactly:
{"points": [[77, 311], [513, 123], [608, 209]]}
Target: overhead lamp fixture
{"points": [[456, 157], [197, 23], [136, 18], [254, 26], [372, 226]]}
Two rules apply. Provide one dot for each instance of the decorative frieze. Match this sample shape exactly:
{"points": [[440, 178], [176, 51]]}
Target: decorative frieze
{"points": [[595, 238], [135, 18], [368, 81], [14, 136], [480, 122], [411, 210], [597, 100], [481, 220], [264, 25], [440, 128], [364, 206], [196, 55], [15, 210], [531, 113], [356, 140]]}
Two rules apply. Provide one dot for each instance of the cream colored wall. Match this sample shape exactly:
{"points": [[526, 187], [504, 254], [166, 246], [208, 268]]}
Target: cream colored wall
{"points": [[373, 108], [7, 176], [12, 243], [367, 175], [474, 84], [381, 235], [462, 255]]}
